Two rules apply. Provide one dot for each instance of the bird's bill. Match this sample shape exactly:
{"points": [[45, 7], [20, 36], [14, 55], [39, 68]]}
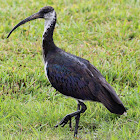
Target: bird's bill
{"points": [[32, 17]]}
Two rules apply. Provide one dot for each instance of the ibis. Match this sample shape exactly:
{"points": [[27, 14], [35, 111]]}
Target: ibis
{"points": [[71, 75]]}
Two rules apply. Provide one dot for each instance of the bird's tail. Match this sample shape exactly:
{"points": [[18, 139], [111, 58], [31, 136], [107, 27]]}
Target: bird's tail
{"points": [[112, 102]]}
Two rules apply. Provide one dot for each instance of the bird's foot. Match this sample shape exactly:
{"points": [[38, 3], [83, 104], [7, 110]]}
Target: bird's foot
{"points": [[64, 121]]}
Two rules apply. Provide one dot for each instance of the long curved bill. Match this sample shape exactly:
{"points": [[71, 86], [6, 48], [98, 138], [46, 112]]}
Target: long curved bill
{"points": [[32, 17]]}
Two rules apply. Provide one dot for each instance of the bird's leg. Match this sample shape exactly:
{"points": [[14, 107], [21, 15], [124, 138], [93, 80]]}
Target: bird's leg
{"points": [[68, 117], [77, 118], [70, 126]]}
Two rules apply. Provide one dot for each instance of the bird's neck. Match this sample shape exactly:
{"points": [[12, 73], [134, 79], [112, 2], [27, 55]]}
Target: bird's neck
{"points": [[48, 43]]}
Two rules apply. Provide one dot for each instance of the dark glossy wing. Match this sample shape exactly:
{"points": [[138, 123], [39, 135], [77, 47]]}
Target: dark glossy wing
{"points": [[107, 96], [104, 93], [101, 80], [104, 83], [71, 81]]}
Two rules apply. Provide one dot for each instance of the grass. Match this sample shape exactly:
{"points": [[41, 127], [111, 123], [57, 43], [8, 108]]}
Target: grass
{"points": [[107, 33]]}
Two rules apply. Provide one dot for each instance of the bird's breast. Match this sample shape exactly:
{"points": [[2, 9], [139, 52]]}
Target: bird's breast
{"points": [[45, 67]]}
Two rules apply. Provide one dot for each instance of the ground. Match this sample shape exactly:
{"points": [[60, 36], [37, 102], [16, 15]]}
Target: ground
{"points": [[107, 33]]}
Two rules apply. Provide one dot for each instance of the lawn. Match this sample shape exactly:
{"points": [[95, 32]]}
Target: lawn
{"points": [[105, 32]]}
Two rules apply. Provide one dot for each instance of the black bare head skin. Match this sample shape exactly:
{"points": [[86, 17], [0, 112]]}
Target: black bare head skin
{"points": [[46, 10]]}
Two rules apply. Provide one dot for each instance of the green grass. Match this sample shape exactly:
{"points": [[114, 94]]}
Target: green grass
{"points": [[106, 32]]}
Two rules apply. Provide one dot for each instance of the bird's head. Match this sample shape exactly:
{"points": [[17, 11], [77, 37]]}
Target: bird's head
{"points": [[46, 12]]}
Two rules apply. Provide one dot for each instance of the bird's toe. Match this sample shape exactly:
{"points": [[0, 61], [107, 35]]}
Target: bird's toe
{"points": [[64, 121]]}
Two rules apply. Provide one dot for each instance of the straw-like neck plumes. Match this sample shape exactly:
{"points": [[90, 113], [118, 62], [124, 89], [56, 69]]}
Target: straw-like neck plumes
{"points": [[48, 44], [50, 20]]}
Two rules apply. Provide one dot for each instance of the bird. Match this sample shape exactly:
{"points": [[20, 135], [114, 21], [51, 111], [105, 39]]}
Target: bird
{"points": [[71, 75]]}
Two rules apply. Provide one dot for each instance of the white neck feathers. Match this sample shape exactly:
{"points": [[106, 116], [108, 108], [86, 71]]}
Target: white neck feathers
{"points": [[49, 19]]}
